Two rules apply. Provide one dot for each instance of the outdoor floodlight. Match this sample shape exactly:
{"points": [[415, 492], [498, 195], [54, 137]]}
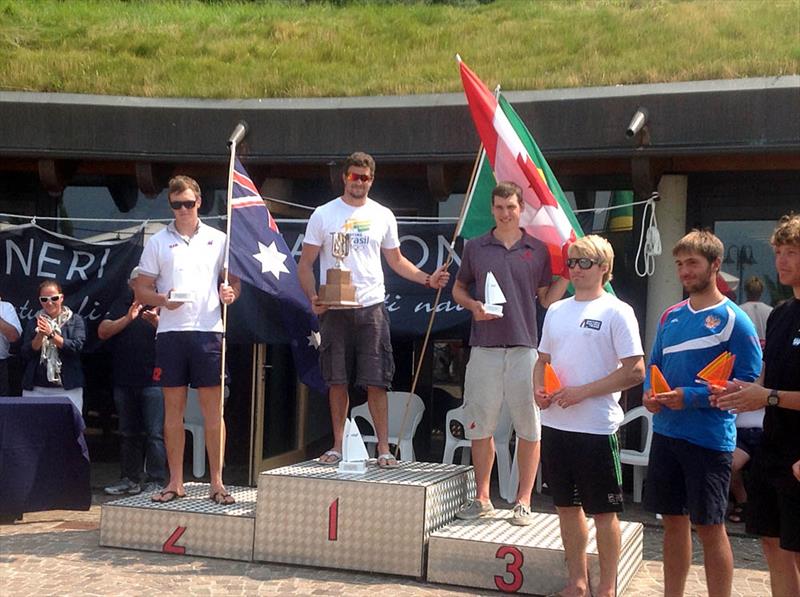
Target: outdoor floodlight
{"points": [[637, 122]]}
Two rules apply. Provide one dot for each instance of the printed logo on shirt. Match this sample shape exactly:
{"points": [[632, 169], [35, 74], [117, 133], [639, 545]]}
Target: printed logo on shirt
{"points": [[356, 225], [592, 324], [796, 341], [712, 321], [173, 245], [157, 374], [527, 255]]}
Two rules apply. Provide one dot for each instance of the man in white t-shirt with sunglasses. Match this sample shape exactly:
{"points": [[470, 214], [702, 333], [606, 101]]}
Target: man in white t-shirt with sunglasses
{"points": [[355, 342]]}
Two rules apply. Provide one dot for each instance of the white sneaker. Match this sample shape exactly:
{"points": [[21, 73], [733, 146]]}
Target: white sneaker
{"points": [[476, 509], [522, 516], [122, 487]]}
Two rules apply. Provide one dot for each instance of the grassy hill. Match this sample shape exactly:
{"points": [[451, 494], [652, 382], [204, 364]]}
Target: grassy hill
{"points": [[218, 49]]}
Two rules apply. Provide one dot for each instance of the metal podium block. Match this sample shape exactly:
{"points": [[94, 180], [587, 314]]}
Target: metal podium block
{"points": [[490, 553], [192, 525], [310, 514]]}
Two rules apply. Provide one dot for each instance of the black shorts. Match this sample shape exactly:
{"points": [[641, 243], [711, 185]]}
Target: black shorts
{"points": [[356, 341], [773, 507], [582, 469], [684, 478], [188, 358], [748, 440]]}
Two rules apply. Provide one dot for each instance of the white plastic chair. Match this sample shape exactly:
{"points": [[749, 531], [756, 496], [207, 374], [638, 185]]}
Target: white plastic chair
{"points": [[397, 409], [502, 438], [194, 423], [638, 458], [453, 443]]}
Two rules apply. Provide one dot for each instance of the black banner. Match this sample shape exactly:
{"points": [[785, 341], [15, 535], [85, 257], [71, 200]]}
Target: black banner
{"points": [[92, 275]]}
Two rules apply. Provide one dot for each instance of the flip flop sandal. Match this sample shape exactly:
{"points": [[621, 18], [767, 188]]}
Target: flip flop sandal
{"points": [[166, 496], [222, 498], [337, 458], [387, 461]]}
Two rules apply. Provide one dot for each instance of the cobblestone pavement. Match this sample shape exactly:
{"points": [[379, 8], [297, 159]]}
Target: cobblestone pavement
{"points": [[57, 552]]}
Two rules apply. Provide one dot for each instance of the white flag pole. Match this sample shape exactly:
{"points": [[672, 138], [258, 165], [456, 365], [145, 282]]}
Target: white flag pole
{"points": [[236, 136]]}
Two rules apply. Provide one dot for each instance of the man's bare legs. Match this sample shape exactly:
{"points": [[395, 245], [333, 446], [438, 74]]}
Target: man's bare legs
{"points": [[528, 464], [174, 439], [608, 548], [210, 402], [717, 556], [677, 554], [575, 537], [340, 405], [482, 461], [784, 568], [378, 403], [717, 559]]}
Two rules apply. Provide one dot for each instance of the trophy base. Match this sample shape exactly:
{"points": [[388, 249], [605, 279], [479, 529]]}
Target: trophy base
{"points": [[341, 304], [358, 467], [493, 310], [177, 296]]}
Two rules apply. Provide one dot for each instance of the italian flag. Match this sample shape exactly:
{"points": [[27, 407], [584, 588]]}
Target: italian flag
{"points": [[510, 153]]}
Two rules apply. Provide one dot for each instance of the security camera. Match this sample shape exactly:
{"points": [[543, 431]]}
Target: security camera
{"points": [[637, 122]]}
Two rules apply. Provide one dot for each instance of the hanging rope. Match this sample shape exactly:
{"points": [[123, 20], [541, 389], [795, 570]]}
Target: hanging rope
{"points": [[649, 239]]}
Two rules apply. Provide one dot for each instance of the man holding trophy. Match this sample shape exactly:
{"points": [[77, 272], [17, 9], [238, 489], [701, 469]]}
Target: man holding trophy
{"points": [[507, 269], [348, 234], [181, 269]]}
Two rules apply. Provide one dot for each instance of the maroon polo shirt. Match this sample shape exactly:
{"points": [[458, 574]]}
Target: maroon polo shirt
{"points": [[520, 271]]}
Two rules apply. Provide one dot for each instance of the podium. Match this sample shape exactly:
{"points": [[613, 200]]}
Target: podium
{"points": [[490, 553], [192, 525], [312, 515]]}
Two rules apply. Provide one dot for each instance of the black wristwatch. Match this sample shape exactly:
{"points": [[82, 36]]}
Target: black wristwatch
{"points": [[773, 399]]}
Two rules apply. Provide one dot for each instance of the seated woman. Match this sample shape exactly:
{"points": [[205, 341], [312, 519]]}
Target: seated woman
{"points": [[51, 348]]}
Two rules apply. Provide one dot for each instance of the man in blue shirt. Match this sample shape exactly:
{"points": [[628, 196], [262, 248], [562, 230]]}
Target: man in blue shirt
{"points": [[690, 457]]}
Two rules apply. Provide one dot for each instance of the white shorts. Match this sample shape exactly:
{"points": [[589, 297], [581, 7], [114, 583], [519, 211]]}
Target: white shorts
{"points": [[497, 376]]}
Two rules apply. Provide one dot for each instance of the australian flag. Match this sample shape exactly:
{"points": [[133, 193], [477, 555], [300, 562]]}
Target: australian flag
{"points": [[260, 257]]}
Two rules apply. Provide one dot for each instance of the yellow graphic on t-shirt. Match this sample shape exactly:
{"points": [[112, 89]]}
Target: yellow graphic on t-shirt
{"points": [[356, 226]]}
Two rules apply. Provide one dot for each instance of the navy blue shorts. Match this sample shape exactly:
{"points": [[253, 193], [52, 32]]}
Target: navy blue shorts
{"points": [[748, 440], [684, 478], [188, 358]]}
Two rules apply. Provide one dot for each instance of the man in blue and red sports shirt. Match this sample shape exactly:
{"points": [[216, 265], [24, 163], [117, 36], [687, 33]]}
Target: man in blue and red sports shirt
{"points": [[690, 457]]}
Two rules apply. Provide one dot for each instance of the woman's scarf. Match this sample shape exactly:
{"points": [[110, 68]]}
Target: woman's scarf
{"points": [[49, 352]]}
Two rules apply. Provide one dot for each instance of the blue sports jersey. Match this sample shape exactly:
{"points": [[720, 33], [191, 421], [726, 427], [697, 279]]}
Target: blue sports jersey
{"points": [[686, 342]]}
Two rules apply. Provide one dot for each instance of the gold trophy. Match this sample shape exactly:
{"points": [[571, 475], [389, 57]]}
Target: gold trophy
{"points": [[338, 292]]}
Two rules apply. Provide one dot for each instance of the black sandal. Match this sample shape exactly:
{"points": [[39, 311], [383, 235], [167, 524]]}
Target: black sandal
{"points": [[737, 513]]}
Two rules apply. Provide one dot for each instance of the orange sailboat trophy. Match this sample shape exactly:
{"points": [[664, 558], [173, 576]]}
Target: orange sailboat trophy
{"points": [[657, 381], [718, 371], [551, 381]]}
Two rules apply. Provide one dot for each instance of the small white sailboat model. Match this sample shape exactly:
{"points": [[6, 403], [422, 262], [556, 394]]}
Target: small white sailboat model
{"points": [[354, 452], [493, 296]]}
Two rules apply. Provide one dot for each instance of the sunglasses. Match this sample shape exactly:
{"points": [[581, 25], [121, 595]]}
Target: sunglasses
{"points": [[176, 205], [49, 299], [581, 262], [352, 177]]}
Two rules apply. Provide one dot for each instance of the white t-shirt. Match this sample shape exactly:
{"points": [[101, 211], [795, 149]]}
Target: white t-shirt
{"points": [[758, 313], [9, 315], [190, 264], [371, 227], [586, 341]]}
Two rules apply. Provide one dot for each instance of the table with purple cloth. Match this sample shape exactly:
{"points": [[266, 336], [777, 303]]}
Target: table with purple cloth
{"points": [[44, 462]]}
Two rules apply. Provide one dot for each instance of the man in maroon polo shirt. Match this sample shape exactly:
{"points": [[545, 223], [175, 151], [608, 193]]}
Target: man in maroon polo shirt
{"points": [[503, 354]]}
